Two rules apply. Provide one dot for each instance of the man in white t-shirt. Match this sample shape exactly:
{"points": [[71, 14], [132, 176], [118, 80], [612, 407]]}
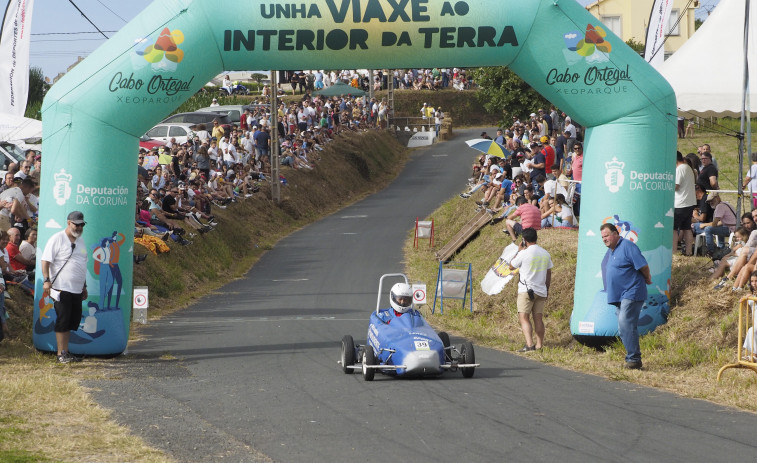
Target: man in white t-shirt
{"points": [[534, 278], [64, 269], [685, 201]]}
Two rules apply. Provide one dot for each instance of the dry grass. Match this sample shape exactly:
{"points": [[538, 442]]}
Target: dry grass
{"points": [[682, 356], [45, 415]]}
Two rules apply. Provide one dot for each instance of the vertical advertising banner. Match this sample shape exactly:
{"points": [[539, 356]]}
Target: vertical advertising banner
{"points": [[658, 27], [14, 54]]}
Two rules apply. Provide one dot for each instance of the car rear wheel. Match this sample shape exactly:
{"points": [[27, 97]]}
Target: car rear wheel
{"points": [[369, 358], [348, 354], [444, 337], [467, 356]]}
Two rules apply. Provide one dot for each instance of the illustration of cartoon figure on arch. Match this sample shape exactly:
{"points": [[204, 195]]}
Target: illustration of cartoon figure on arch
{"points": [[93, 116]]}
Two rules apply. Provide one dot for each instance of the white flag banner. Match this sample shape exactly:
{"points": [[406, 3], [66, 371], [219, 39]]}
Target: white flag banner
{"points": [[14, 54], [659, 19]]}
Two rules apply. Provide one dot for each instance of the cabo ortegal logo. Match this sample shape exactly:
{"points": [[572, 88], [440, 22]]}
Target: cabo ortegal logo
{"points": [[164, 53], [590, 45]]}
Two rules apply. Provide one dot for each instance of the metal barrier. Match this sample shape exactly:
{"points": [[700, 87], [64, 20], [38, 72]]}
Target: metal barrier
{"points": [[746, 350]]}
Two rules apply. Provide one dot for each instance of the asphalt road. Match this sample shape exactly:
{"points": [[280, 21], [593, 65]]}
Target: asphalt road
{"points": [[250, 373]]}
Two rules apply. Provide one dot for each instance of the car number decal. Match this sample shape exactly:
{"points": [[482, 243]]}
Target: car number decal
{"points": [[422, 345]]}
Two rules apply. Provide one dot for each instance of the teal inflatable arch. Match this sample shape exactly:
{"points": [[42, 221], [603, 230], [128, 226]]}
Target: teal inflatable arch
{"points": [[94, 115]]}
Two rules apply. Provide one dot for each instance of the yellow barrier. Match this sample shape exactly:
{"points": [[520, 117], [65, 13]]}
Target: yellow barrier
{"points": [[746, 357]]}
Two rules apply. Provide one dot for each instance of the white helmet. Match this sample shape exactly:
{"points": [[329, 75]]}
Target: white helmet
{"points": [[401, 297]]}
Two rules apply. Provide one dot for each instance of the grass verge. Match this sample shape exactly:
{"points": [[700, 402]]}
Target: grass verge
{"points": [[45, 415]]}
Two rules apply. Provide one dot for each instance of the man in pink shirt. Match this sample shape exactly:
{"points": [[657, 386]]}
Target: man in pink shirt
{"points": [[530, 217]]}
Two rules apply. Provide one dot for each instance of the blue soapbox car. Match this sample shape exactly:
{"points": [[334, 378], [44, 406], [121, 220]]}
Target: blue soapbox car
{"points": [[404, 345]]}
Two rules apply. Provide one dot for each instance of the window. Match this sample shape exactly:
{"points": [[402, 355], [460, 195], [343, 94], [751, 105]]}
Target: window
{"points": [[177, 131], [613, 24], [158, 132], [674, 14]]}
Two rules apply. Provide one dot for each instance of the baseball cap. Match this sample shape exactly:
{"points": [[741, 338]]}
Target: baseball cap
{"points": [[76, 217], [712, 196], [544, 139]]}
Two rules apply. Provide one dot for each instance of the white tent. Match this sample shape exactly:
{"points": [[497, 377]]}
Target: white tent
{"points": [[707, 72], [19, 128]]}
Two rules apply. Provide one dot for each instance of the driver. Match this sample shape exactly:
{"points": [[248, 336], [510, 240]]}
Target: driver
{"points": [[401, 299]]}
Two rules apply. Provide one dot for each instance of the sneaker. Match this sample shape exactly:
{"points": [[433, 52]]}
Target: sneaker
{"points": [[464, 195], [64, 358], [633, 365], [213, 223], [526, 349], [165, 236], [722, 283]]}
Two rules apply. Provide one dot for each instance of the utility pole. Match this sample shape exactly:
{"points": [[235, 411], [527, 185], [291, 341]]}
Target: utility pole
{"points": [[275, 183]]}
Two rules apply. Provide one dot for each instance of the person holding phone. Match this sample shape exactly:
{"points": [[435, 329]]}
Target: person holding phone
{"points": [[534, 278]]}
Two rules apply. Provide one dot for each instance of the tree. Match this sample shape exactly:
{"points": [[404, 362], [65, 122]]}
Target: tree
{"points": [[637, 46], [37, 89], [258, 77], [502, 91]]}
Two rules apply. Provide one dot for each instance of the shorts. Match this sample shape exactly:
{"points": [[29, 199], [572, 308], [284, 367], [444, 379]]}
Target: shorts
{"points": [[517, 228], [527, 306], [682, 218], [68, 311]]}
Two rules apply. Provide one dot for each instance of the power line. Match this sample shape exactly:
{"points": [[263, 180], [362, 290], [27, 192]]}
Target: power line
{"points": [[114, 13], [85, 17], [71, 33]]}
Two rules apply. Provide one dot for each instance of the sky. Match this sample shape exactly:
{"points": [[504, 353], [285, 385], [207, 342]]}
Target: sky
{"points": [[60, 33]]}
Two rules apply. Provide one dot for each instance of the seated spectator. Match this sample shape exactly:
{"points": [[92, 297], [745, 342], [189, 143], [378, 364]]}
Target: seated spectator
{"points": [[529, 215], [28, 248], [4, 330], [702, 211], [556, 212], [16, 260], [159, 219], [171, 211], [739, 250], [10, 275], [723, 222], [18, 207]]}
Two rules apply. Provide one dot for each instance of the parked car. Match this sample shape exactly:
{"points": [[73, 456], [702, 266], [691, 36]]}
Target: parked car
{"points": [[199, 117], [10, 152], [148, 143], [235, 111], [165, 131]]}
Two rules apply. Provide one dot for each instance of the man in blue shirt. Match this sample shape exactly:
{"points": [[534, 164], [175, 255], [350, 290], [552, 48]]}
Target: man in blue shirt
{"points": [[625, 274]]}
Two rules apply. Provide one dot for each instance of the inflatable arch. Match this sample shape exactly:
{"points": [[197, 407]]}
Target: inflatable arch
{"points": [[94, 115]]}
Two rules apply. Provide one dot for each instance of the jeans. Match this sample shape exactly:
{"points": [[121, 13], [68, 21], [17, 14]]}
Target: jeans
{"points": [[628, 326], [710, 231]]}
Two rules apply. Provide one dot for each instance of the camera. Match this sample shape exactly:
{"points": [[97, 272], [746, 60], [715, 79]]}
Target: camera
{"points": [[531, 294]]}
